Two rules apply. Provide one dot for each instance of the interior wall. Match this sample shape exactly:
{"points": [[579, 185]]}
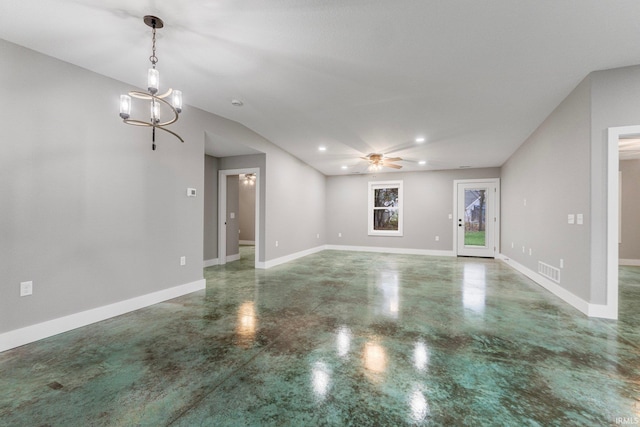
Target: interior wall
{"points": [[89, 212], [629, 248], [247, 211], [615, 102], [543, 182], [233, 225], [428, 201], [210, 196]]}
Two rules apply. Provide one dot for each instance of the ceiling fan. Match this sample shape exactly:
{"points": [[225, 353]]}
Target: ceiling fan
{"points": [[377, 161]]}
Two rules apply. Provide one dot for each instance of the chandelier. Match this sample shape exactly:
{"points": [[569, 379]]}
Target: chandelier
{"points": [[249, 179], [156, 102]]}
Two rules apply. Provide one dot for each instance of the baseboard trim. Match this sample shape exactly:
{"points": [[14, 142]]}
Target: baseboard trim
{"points": [[29, 334], [234, 257], [211, 262], [629, 262], [288, 258], [247, 242], [401, 251], [592, 310]]}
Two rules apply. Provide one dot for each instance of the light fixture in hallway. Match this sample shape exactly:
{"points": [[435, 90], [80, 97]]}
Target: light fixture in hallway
{"points": [[249, 179], [156, 101]]}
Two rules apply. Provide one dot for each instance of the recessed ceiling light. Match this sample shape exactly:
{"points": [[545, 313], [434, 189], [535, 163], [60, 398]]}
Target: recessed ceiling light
{"points": [[237, 103], [345, 167], [422, 162], [420, 139], [322, 148]]}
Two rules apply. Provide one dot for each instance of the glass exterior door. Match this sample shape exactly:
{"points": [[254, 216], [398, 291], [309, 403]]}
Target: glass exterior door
{"points": [[476, 220]]}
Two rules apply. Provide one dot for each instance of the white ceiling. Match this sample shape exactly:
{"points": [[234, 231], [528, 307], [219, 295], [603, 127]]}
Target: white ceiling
{"points": [[474, 78]]}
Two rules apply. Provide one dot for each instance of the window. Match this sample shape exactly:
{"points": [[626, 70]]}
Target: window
{"points": [[385, 208]]}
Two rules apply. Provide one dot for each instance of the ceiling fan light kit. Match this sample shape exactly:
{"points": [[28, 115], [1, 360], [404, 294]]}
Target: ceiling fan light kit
{"points": [[156, 101], [378, 161]]}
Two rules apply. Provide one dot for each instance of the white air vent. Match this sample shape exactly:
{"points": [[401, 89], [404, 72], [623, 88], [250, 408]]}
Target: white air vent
{"points": [[549, 272]]}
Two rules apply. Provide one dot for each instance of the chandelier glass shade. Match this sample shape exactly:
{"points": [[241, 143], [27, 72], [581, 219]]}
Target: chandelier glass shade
{"points": [[169, 102]]}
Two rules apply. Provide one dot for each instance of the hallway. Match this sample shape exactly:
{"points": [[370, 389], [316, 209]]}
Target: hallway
{"points": [[339, 338]]}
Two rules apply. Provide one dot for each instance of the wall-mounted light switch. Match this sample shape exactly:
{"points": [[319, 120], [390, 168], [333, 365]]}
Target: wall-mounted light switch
{"points": [[232, 215], [26, 288], [579, 219], [183, 260], [571, 219], [191, 192]]}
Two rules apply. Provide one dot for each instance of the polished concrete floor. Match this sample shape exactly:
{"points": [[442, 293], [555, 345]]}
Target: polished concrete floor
{"points": [[340, 338]]}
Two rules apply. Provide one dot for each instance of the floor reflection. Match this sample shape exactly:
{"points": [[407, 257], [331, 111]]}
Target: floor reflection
{"points": [[246, 324], [343, 341], [388, 294], [474, 287], [421, 356], [419, 405], [375, 358], [320, 379]]}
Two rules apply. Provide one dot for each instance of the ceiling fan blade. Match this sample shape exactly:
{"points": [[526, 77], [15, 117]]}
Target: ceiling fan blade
{"points": [[392, 159], [391, 165]]}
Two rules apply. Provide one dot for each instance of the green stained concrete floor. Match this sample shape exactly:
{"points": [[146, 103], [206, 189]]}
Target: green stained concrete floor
{"points": [[340, 338]]}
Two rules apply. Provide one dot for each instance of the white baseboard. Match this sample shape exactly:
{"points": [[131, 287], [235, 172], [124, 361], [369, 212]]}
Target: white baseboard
{"points": [[211, 262], [26, 335], [291, 257], [592, 310], [402, 251], [234, 257], [629, 262], [247, 242]]}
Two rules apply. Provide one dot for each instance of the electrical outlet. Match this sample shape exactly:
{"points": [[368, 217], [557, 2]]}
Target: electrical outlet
{"points": [[530, 251], [450, 216], [183, 260], [26, 288], [437, 238], [512, 245], [523, 249], [561, 263], [276, 243], [339, 234]]}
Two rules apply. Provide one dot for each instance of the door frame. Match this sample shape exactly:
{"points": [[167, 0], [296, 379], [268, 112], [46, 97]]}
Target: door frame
{"points": [[610, 309], [222, 212], [496, 209]]}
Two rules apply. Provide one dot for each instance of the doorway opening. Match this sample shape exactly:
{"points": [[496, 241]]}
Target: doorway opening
{"points": [[613, 213], [476, 206], [228, 235]]}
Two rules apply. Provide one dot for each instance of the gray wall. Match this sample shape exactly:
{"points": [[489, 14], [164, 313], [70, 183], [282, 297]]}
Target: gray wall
{"points": [[428, 201], [233, 225], [89, 212], [615, 100], [210, 196], [630, 246], [564, 165], [93, 216], [247, 211], [551, 171]]}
